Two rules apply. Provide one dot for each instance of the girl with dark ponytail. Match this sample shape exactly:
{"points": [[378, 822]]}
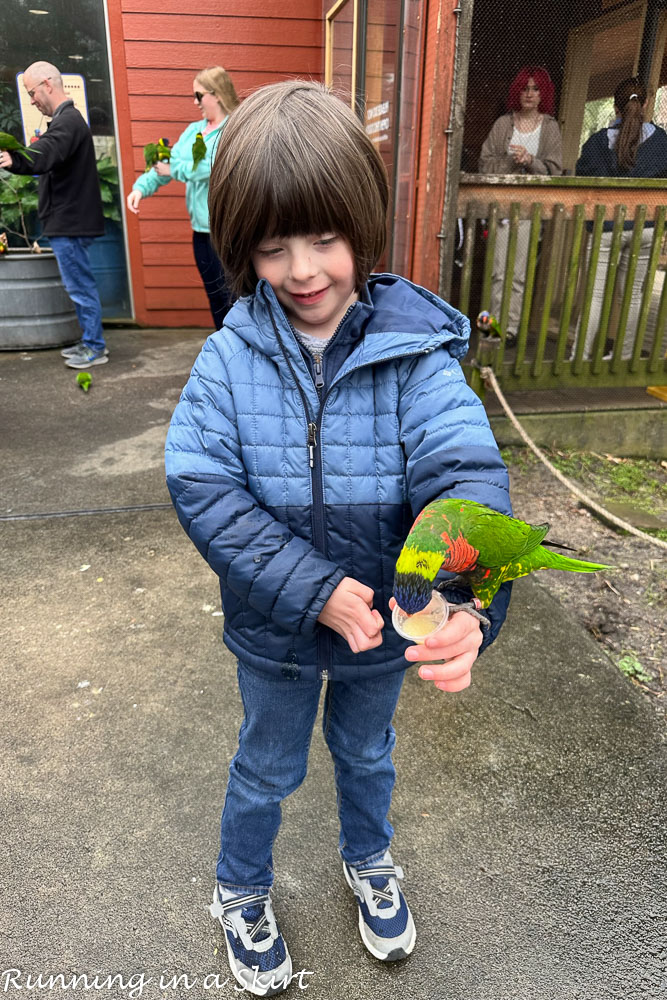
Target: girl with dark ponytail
{"points": [[629, 147], [629, 100]]}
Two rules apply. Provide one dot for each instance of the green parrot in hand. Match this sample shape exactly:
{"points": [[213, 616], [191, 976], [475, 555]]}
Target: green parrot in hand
{"points": [[155, 152], [198, 150], [483, 547], [12, 145]]}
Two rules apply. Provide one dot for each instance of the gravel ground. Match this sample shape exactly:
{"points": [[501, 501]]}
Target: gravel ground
{"points": [[624, 608]]}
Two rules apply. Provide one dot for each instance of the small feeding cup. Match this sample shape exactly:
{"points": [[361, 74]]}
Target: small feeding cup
{"points": [[428, 621]]}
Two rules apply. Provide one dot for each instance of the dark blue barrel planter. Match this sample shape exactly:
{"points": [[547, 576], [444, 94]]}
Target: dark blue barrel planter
{"points": [[107, 260], [35, 309]]}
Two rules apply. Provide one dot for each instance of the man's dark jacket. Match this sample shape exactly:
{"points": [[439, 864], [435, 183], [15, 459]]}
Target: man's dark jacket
{"points": [[70, 203]]}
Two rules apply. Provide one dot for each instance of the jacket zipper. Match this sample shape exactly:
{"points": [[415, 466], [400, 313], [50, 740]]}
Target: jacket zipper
{"points": [[324, 650], [324, 638]]}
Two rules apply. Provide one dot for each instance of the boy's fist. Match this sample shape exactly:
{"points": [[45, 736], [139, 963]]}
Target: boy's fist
{"points": [[349, 611]]}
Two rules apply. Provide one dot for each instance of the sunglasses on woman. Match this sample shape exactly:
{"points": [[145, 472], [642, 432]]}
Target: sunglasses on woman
{"points": [[199, 95]]}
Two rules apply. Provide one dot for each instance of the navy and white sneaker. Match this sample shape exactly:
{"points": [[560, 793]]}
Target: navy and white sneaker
{"points": [[385, 922], [257, 953]]}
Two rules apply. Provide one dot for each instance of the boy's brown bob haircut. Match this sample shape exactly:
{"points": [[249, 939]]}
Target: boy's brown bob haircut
{"points": [[293, 160]]}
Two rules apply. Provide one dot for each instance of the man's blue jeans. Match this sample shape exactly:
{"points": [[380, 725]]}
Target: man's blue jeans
{"points": [[272, 758], [74, 266]]}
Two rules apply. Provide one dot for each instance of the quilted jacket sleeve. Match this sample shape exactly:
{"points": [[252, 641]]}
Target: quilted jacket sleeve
{"points": [[257, 557], [451, 451]]}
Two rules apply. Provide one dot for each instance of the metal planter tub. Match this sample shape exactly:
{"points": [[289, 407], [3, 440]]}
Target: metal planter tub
{"points": [[35, 309]]}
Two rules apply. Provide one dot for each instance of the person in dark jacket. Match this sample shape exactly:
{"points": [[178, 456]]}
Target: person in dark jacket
{"points": [[322, 418], [70, 203], [629, 147]]}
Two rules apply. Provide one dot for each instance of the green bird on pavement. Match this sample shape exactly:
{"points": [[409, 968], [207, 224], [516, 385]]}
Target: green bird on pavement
{"points": [[484, 548], [12, 145], [198, 150], [84, 379]]}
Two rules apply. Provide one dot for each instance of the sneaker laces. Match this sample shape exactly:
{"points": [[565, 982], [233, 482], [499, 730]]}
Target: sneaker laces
{"points": [[252, 919], [379, 886]]}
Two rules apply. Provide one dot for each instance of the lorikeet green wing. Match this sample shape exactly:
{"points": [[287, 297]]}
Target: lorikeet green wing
{"points": [[198, 150], [480, 545], [150, 154], [12, 145]]}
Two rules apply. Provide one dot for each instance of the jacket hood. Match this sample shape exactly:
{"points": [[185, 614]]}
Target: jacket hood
{"points": [[396, 317]]}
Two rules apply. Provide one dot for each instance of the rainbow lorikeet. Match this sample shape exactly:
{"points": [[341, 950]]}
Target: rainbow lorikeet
{"points": [[198, 150], [12, 145], [155, 152], [483, 547], [488, 325]]}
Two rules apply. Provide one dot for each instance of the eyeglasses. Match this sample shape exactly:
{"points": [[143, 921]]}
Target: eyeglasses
{"points": [[31, 93], [199, 95]]}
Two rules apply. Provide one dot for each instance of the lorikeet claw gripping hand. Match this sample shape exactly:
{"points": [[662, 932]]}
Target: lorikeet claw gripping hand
{"points": [[483, 547]]}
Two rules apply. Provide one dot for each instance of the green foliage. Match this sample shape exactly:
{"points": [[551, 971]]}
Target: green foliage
{"points": [[107, 175], [18, 205], [10, 116], [632, 668]]}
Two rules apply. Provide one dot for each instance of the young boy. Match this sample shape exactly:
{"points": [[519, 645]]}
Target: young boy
{"points": [[316, 424]]}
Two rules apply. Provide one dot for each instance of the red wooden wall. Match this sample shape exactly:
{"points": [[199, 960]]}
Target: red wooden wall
{"points": [[438, 77], [157, 47]]}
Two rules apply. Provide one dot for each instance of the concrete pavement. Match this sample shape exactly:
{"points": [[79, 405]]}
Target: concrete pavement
{"points": [[529, 810]]}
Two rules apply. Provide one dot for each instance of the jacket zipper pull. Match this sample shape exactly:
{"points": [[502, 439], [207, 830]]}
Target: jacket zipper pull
{"points": [[312, 442], [319, 380]]}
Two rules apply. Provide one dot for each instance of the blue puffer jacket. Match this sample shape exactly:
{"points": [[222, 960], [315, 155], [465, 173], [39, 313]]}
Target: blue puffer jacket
{"points": [[286, 487]]}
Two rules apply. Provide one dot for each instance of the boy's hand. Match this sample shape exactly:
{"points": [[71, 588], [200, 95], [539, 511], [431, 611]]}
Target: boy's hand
{"points": [[349, 611], [457, 643]]}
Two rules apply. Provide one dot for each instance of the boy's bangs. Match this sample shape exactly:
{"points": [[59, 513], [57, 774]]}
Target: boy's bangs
{"points": [[298, 205]]}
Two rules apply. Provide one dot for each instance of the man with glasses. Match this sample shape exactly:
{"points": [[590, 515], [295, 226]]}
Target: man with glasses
{"points": [[70, 204]]}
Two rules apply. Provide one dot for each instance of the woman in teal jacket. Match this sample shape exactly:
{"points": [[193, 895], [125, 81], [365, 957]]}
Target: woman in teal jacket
{"points": [[215, 96]]}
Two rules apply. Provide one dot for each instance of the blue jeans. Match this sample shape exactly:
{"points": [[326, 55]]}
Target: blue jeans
{"points": [[210, 269], [271, 762], [74, 266]]}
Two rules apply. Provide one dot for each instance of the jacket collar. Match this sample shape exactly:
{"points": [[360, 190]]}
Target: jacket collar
{"points": [[392, 318]]}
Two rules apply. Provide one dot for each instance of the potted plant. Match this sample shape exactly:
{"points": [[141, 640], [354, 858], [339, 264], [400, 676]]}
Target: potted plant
{"points": [[35, 310]]}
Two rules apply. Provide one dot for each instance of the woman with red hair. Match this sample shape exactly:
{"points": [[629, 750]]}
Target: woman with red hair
{"points": [[526, 140]]}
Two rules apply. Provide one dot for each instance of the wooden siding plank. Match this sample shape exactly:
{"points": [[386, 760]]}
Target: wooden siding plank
{"points": [[287, 59], [249, 31], [160, 206], [168, 254], [277, 9], [179, 318], [166, 231], [177, 298], [151, 81], [177, 276]]}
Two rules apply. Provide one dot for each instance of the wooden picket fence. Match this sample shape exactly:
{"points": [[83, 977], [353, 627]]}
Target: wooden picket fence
{"points": [[567, 216]]}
